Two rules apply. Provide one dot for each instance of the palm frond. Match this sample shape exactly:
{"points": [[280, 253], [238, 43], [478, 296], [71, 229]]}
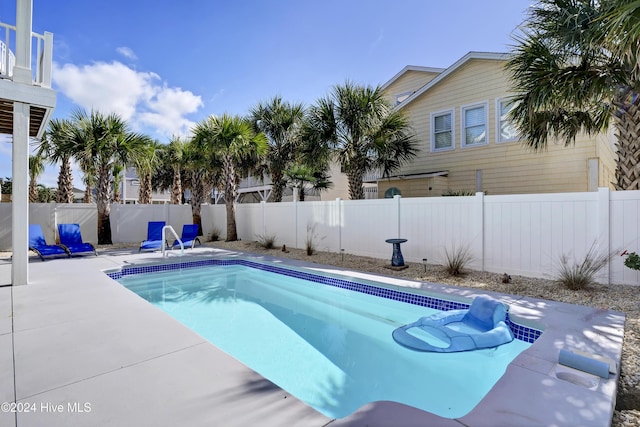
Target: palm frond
{"points": [[564, 79]]}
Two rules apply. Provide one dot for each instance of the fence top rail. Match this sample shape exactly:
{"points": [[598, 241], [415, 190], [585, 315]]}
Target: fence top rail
{"points": [[543, 197], [625, 195]]}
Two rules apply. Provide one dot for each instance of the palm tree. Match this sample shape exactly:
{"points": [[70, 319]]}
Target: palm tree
{"points": [[116, 178], [567, 80], [622, 29], [145, 164], [175, 155], [107, 140], [36, 168], [56, 145], [280, 122], [232, 141], [89, 178], [363, 131], [45, 194], [200, 175], [302, 175]]}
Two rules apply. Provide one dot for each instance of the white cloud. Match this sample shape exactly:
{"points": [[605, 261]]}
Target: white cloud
{"points": [[127, 52], [138, 97], [168, 108]]}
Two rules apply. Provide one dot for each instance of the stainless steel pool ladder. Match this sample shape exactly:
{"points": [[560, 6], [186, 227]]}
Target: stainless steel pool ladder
{"points": [[164, 239]]}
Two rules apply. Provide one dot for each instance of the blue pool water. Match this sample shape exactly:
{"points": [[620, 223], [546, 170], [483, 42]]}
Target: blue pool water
{"points": [[329, 346]]}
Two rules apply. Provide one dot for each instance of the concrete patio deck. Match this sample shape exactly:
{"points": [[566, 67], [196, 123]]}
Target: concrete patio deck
{"points": [[77, 349]]}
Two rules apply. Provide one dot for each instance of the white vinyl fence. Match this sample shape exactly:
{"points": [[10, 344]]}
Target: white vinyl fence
{"points": [[128, 222], [516, 234]]}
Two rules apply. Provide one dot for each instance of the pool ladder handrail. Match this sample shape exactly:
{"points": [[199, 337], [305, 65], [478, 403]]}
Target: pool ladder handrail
{"points": [[165, 254]]}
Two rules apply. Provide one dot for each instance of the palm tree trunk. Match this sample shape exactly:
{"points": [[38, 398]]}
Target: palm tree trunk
{"points": [[104, 208], [88, 197], [277, 183], [116, 194], [65, 183], [33, 191], [354, 176], [176, 187], [628, 133], [196, 197], [230, 195], [144, 195]]}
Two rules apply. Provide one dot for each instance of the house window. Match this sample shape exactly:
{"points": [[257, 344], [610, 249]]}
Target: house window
{"points": [[474, 125], [401, 97], [442, 135], [506, 129]]}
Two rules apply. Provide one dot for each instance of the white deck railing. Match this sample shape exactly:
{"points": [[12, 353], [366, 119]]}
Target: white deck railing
{"points": [[7, 58], [41, 61]]}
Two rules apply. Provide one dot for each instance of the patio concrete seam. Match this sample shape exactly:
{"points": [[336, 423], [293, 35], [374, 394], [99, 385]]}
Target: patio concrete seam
{"points": [[130, 365]]}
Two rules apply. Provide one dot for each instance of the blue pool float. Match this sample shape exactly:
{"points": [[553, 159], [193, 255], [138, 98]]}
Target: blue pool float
{"points": [[483, 325]]}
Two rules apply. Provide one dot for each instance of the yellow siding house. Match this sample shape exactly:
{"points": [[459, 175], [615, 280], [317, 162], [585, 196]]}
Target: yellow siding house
{"points": [[465, 143]]}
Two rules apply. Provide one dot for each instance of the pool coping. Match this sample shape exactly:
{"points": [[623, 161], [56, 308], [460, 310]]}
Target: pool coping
{"points": [[42, 317]]}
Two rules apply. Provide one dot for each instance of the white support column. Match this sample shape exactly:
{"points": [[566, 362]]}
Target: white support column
{"points": [[20, 208], [47, 60], [22, 68]]}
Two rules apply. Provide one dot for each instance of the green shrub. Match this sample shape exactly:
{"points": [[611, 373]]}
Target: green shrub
{"points": [[632, 260], [266, 241], [456, 259], [579, 275]]}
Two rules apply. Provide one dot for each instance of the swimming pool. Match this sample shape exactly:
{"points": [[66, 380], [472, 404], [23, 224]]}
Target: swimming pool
{"points": [[326, 340]]}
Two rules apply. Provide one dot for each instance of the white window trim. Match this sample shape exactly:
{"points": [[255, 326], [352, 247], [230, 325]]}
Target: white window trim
{"points": [[499, 140], [463, 133], [451, 111]]}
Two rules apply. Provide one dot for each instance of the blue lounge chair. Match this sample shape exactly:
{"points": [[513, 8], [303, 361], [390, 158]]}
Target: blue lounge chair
{"points": [[483, 325], [189, 236], [71, 239], [154, 236], [38, 244]]}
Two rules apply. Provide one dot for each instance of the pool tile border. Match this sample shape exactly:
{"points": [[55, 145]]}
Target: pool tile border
{"points": [[521, 332]]}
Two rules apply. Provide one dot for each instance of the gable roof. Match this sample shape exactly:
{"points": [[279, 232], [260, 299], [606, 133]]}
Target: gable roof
{"points": [[446, 72], [411, 68]]}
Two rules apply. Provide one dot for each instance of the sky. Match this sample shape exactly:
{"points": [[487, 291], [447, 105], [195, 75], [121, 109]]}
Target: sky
{"points": [[163, 66]]}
